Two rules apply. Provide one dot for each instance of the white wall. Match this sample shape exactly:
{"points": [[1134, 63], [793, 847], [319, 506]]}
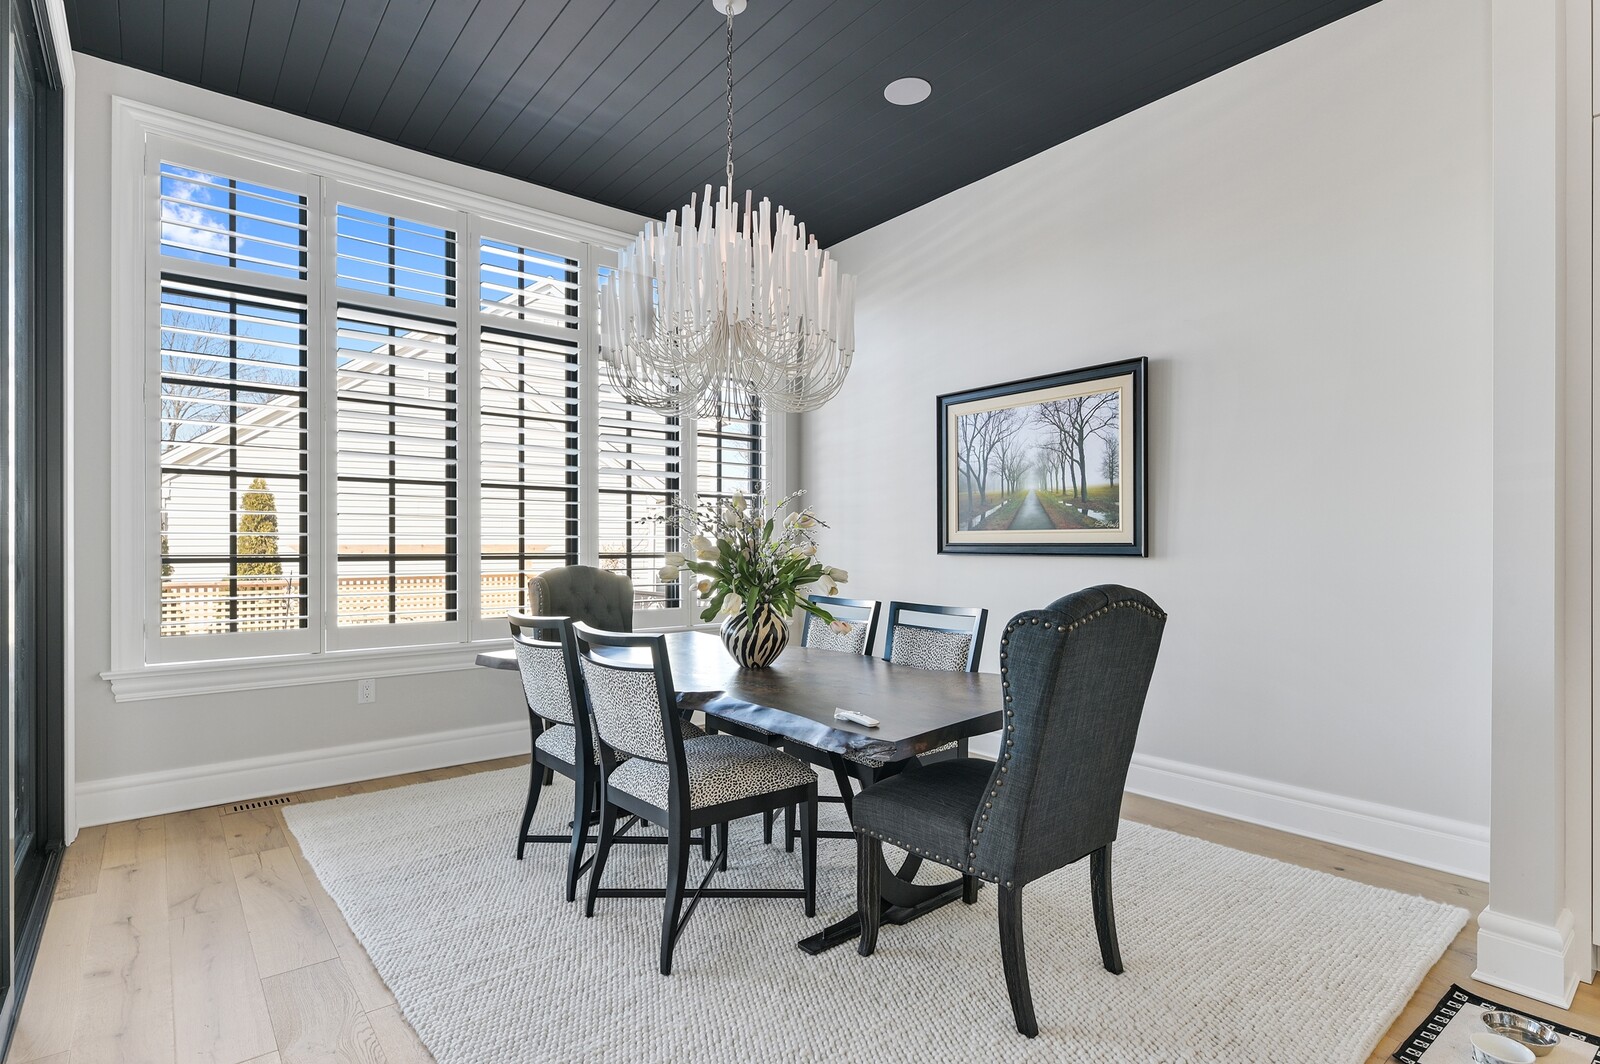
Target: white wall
{"points": [[140, 757], [1302, 245]]}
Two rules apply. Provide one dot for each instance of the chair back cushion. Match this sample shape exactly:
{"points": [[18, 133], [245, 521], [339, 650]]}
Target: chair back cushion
{"points": [[1075, 676], [626, 706], [596, 597], [822, 637], [544, 679], [930, 648]]}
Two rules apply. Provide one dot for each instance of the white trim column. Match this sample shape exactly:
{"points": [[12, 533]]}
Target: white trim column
{"points": [[1527, 940]]}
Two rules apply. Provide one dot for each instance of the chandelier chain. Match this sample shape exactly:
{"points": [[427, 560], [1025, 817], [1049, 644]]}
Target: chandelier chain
{"points": [[730, 100]]}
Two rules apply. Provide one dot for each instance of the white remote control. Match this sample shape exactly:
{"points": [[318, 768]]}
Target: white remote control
{"points": [[859, 718]]}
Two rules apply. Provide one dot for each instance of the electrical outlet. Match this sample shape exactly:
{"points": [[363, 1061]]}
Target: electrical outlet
{"points": [[366, 691]]}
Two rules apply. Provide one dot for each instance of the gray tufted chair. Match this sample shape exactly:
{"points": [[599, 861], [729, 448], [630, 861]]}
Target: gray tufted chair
{"points": [[594, 596], [1075, 675]]}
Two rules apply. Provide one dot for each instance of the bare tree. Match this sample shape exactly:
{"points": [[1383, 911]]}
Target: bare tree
{"points": [[1110, 460], [1011, 462], [1074, 421], [1055, 416], [978, 436]]}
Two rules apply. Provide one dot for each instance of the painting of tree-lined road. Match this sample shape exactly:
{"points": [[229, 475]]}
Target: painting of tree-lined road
{"points": [[1049, 465]]}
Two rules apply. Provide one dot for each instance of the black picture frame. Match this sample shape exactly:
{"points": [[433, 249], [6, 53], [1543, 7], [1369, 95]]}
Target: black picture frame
{"points": [[1061, 420]]}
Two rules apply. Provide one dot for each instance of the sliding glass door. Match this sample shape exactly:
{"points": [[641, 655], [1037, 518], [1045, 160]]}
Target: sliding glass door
{"points": [[31, 533]]}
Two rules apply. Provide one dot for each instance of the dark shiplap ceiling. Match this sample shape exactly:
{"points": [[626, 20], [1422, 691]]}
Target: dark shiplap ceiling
{"points": [[621, 101]]}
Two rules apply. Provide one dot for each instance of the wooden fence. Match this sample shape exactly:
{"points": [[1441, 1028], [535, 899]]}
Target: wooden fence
{"points": [[272, 603]]}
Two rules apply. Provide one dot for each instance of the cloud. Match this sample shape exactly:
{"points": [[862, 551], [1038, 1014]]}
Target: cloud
{"points": [[180, 221]]}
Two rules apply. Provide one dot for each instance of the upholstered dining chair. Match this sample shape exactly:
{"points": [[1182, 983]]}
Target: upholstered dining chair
{"points": [[945, 638], [584, 593], [860, 614], [559, 719], [1075, 676], [679, 781]]}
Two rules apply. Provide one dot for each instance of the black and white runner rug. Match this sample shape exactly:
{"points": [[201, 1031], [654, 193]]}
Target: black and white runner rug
{"points": [[1445, 1037]]}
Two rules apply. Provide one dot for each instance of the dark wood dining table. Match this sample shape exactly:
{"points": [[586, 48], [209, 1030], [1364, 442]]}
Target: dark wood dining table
{"points": [[794, 699]]}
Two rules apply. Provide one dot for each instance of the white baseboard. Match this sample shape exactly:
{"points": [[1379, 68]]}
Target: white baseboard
{"points": [[152, 793], [1539, 961], [1454, 846]]}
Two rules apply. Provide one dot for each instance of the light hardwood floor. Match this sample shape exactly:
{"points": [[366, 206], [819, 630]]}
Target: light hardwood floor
{"points": [[203, 937]]}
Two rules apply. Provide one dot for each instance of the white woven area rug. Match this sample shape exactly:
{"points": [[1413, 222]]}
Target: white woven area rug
{"points": [[1230, 957]]}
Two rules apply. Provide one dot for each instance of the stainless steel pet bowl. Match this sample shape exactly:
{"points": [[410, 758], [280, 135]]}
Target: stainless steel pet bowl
{"points": [[1539, 1037]]}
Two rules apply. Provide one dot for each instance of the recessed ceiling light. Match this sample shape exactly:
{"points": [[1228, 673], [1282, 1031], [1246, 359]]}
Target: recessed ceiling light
{"points": [[907, 91]]}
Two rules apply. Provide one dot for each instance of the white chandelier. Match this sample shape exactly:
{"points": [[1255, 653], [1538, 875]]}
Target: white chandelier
{"points": [[727, 305]]}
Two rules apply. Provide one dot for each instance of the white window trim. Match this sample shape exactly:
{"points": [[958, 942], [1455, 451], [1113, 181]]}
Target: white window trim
{"points": [[131, 676]]}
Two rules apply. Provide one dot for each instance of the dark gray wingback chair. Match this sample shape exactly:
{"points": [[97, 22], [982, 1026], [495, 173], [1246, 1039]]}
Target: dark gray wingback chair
{"points": [[596, 597], [1074, 675]]}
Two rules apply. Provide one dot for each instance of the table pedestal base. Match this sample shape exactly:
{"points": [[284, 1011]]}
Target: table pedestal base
{"points": [[848, 929]]}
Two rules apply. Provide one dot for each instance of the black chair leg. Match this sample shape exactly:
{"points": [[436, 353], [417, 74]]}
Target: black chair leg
{"points": [[808, 853], [536, 773], [969, 889], [869, 905], [582, 799], [1015, 960], [767, 819], [722, 846], [705, 843], [788, 829], [602, 850], [1105, 919], [549, 777], [677, 876]]}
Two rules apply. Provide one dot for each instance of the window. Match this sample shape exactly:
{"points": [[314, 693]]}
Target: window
{"points": [[731, 450], [378, 415], [528, 358], [640, 477]]}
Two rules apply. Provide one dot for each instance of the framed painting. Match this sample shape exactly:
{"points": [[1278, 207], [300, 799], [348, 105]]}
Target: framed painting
{"points": [[1049, 465]]}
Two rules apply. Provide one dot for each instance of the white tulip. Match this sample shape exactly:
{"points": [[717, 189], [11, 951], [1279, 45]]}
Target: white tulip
{"points": [[737, 502], [701, 544], [730, 516], [675, 557], [803, 519], [704, 587], [710, 554], [732, 605], [831, 589], [808, 551], [668, 573], [839, 576]]}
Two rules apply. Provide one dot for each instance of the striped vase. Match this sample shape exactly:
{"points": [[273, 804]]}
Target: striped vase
{"points": [[755, 638]]}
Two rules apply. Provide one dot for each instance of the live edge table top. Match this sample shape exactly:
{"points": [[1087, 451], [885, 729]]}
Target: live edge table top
{"points": [[917, 710]]}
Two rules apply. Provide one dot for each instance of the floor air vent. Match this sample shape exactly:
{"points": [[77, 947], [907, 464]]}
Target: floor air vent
{"points": [[260, 803]]}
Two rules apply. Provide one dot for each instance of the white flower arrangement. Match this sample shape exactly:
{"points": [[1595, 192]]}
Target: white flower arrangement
{"points": [[750, 556]]}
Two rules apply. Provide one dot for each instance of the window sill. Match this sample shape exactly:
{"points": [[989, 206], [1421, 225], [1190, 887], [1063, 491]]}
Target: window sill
{"points": [[146, 683]]}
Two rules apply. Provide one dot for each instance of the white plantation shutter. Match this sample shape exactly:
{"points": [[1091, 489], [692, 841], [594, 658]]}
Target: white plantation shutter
{"points": [[528, 449], [730, 451], [398, 433], [231, 545], [638, 479]]}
